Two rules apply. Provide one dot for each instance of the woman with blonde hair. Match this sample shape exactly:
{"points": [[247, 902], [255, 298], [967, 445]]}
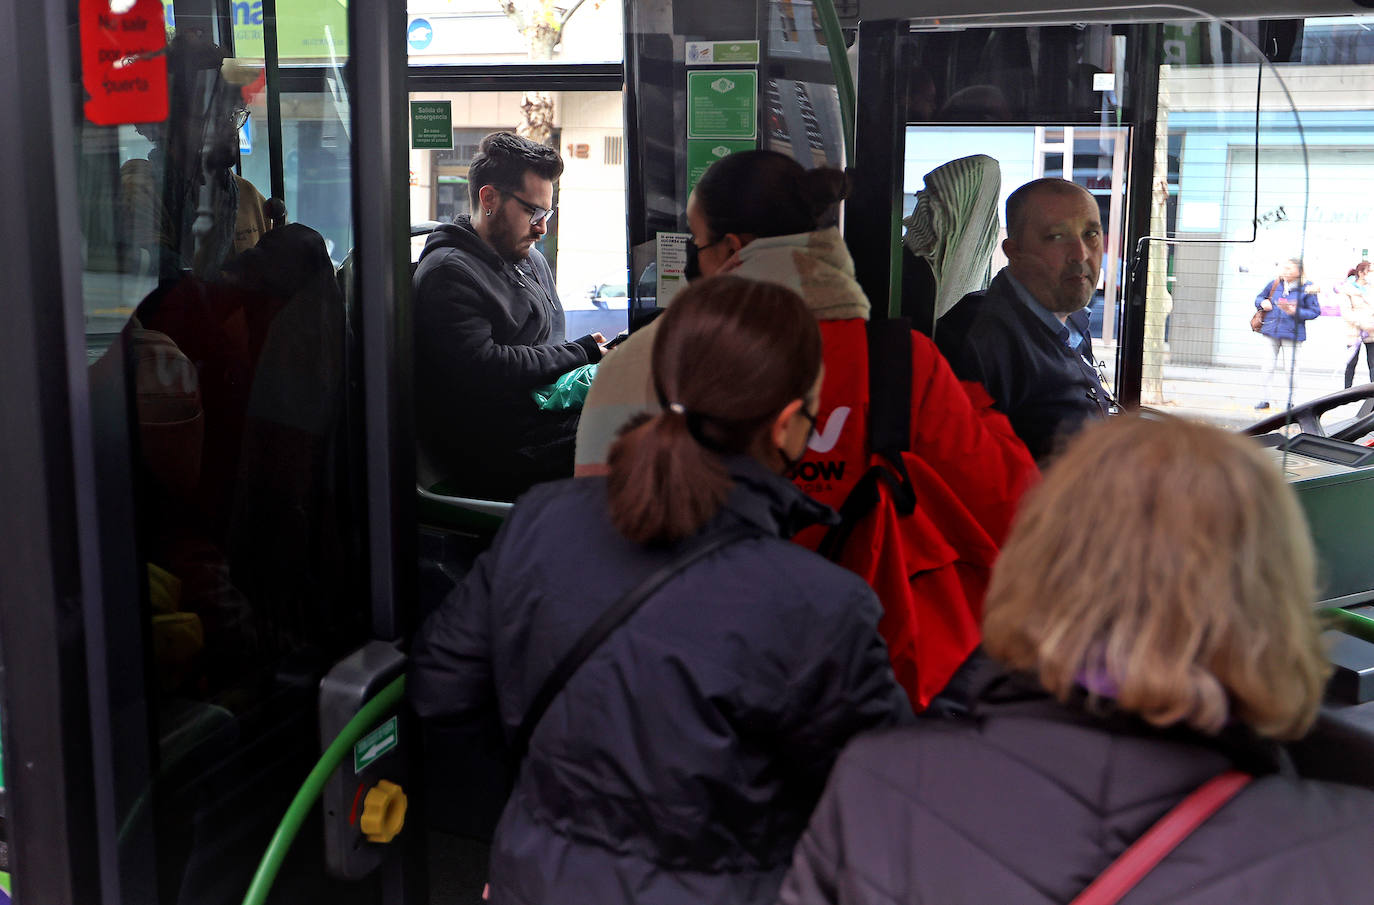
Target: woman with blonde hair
{"points": [[1139, 647]]}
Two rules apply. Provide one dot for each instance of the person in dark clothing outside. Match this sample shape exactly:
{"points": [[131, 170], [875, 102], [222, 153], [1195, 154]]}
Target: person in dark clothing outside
{"points": [[1025, 337], [1113, 691], [1288, 302], [489, 329], [680, 762]]}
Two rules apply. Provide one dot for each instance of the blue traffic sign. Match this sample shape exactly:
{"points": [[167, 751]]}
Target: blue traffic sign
{"points": [[419, 34]]}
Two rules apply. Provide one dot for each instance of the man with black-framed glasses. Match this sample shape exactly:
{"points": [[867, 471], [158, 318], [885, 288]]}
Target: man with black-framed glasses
{"points": [[489, 329]]}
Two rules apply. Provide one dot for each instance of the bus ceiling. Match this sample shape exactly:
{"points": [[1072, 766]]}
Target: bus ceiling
{"points": [[1042, 12]]}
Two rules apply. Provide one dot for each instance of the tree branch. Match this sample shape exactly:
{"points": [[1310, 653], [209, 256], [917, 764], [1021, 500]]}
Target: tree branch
{"points": [[512, 13], [563, 19]]}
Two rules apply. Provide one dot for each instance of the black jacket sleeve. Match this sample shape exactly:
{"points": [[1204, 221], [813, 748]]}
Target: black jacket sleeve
{"points": [[986, 357], [450, 660], [844, 687], [454, 324]]}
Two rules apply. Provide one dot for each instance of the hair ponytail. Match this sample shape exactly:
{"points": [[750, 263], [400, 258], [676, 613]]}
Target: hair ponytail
{"points": [[765, 193], [730, 354], [823, 188], [663, 484]]}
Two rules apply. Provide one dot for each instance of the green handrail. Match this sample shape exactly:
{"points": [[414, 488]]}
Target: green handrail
{"points": [[1356, 624], [290, 825], [844, 79]]}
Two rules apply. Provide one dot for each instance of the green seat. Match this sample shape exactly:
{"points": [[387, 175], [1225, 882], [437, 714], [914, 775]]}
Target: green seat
{"points": [[460, 513], [440, 507]]}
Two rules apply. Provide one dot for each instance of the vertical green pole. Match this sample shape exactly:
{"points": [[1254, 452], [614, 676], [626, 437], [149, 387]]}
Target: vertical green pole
{"points": [[844, 79]]}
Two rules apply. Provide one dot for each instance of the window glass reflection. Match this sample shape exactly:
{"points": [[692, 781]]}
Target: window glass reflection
{"points": [[219, 342]]}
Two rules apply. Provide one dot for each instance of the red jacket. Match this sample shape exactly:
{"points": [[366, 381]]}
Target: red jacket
{"points": [[969, 470]]}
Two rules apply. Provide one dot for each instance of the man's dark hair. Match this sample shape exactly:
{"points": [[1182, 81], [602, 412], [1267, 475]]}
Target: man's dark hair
{"points": [[1017, 200], [503, 159]]}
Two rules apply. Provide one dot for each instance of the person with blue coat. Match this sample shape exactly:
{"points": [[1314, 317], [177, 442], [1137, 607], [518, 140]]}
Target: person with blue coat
{"points": [[1287, 302]]}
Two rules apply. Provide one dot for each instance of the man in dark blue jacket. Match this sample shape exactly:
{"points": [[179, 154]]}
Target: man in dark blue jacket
{"points": [[1025, 337], [489, 328], [1288, 303]]}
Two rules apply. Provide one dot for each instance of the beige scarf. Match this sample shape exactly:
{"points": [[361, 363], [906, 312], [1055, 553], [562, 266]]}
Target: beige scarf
{"points": [[815, 265]]}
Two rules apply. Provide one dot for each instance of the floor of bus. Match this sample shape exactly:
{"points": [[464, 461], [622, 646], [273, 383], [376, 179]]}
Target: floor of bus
{"points": [[457, 869]]}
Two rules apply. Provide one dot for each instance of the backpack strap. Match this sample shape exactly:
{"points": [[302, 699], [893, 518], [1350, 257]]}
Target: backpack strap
{"points": [[889, 385], [1123, 874], [614, 616], [889, 431]]}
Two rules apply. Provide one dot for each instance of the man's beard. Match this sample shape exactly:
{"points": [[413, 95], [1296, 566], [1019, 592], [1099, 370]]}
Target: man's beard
{"points": [[1066, 302], [507, 245]]}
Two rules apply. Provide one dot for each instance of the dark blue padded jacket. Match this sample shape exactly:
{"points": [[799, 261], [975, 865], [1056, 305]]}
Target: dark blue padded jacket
{"points": [[1280, 324], [680, 763]]}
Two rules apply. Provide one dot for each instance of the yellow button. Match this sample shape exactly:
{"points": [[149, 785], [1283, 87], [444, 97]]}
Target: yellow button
{"points": [[384, 812]]}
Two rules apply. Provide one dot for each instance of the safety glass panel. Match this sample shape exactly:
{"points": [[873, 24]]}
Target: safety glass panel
{"points": [[1007, 156], [585, 239], [1231, 194], [224, 384], [774, 55], [477, 32], [1230, 221]]}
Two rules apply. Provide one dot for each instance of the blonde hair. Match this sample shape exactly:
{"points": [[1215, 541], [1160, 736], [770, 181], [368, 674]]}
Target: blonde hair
{"points": [[1168, 561]]}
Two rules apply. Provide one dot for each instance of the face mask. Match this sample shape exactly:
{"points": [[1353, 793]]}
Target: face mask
{"points": [[693, 269]]}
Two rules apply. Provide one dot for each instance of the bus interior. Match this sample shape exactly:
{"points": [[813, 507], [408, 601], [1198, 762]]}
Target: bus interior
{"points": [[216, 498]]}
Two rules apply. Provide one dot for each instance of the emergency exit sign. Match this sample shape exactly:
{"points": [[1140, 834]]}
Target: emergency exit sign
{"points": [[431, 125], [373, 745]]}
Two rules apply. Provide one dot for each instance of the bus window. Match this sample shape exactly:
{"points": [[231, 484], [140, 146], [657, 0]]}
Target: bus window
{"points": [[585, 242], [480, 33], [1227, 189]]}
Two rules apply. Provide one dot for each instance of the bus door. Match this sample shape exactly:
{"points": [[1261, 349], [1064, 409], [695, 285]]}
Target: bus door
{"points": [[201, 499]]}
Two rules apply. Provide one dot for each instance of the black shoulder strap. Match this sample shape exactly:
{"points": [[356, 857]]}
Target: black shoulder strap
{"points": [[889, 385], [889, 430], [610, 620]]}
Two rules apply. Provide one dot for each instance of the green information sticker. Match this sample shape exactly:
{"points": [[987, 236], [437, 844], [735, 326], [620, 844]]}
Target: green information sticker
{"points": [[702, 152], [373, 745], [722, 103], [709, 52], [431, 125]]}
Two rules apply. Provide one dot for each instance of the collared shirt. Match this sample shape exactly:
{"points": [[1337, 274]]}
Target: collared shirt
{"points": [[1046, 387], [1072, 331], [1071, 338]]}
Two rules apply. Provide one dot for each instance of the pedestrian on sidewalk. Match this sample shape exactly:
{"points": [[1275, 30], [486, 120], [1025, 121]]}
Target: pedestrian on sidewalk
{"points": [[1357, 308], [1287, 302]]}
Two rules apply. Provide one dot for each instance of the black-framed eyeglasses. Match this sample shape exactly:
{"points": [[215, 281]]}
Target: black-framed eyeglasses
{"points": [[239, 116], [537, 214]]}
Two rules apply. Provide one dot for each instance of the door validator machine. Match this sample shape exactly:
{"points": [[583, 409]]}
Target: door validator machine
{"points": [[1334, 482], [364, 801]]}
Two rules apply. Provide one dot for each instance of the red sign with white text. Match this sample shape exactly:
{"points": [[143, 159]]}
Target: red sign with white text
{"points": [[124, 62]]}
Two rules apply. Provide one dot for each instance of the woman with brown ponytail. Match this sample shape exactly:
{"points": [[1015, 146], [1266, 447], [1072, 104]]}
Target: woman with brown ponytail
{"points": [[680, 762]]}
